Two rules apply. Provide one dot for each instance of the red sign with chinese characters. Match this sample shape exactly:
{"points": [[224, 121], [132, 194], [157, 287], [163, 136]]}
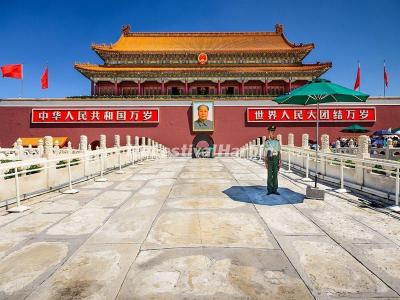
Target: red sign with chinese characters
{"points": [[301, 114], [75, 115]]}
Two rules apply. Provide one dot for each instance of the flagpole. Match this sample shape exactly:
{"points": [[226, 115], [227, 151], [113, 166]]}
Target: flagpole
{"points": [[22, 82], [384, 83], [359, 85]]}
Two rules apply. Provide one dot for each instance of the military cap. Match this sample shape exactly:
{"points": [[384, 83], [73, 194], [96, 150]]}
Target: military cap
{"points": [[271, 128]]}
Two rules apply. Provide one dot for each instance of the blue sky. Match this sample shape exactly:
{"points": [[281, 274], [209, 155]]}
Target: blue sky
{"points": [[60, 33]]}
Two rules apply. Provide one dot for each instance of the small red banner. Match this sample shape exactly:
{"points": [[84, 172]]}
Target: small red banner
{"points": [[142, 115], [300, 114]]}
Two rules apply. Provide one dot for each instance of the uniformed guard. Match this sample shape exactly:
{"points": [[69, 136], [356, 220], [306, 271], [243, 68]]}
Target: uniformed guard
{"points": [[272, 154]]}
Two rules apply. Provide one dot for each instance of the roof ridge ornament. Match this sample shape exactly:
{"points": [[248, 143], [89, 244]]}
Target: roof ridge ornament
{"points": [[126, 29], [279, 28]]}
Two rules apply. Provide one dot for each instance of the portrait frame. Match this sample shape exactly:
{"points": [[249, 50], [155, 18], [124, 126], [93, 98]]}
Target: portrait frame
{"points": [[195, 116]]}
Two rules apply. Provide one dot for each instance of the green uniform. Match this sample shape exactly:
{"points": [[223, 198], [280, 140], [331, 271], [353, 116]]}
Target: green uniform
{"points": [[272, 150]]}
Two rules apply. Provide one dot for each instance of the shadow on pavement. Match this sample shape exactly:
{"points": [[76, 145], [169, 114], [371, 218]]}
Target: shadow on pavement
{"points": [[257, 194]]}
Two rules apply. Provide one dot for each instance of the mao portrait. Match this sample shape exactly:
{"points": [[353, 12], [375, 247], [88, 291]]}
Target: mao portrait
{"points": [[203, 116]]}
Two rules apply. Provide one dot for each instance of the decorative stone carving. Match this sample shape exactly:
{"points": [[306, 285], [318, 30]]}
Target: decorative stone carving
{"points": [[291, 139], [325, 143], [48, 145], [363, 147], [304, 141], [389, 143], [83, 142], [117, 141], [128, 140], [19, 143], [103, 141]]}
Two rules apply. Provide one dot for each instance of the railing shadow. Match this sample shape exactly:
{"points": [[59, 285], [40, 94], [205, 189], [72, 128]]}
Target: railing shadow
{"points": [[257, 194]]}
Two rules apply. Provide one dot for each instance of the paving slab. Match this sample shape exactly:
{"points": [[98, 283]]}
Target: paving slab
{"points": [[329, 270], [109, 199], [213, 274], [81, 278], [225, 229], [83, 221], [21, 269]]}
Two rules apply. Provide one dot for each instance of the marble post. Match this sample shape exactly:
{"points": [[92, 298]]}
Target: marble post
{"points": [[363, 147], [48, 146], [117, 141], [325, 143], [103, 144], [136, 140], [83, 142], [128, 140], [291, 139], [304, 141], [279, 138]]}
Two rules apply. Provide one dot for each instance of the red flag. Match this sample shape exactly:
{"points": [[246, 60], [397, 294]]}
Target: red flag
{"points": [[45, 79], [358, 79], [385, 76], [12, 71]]}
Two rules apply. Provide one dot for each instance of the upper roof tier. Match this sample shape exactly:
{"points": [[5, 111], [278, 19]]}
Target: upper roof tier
{"points": [[152, 42]]}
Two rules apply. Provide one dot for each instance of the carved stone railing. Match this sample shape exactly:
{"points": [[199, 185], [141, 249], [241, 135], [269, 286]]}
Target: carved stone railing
{"points": [[56, 168]]}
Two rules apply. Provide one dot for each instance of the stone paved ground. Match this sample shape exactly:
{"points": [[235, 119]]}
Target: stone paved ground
{"points": [[197, 229]]}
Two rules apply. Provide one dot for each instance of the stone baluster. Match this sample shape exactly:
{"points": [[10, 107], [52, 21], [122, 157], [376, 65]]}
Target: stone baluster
{"points": [[89, 147], [148, 142], [363, 147], [117, 141], [48, 146], [56, 148], [337, 144], [351, 143], [136, 141], [143, 141], [40, 148], [83, 143], [69, 147], [20, 149], [291, 139], [325, 143], [279, 138], [103, 141], [128, 140], [389, 143], [304, 141]]}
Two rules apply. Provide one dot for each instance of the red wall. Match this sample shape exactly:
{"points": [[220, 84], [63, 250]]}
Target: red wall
{"points": [[174, 129]]}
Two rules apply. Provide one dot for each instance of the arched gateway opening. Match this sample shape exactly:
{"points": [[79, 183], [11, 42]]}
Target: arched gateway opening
{"points": [[203, 146]]}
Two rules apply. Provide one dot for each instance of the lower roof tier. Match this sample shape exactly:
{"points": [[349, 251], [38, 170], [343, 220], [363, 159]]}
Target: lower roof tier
{"points": [[303, 71]]}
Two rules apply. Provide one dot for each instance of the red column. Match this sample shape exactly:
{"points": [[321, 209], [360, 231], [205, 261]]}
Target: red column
{"points": [[91, 87], [162, 87], [242, 87], [115, 88], [290, 85], [139, 88], [266, 87], [186, 88], [219, 87]]}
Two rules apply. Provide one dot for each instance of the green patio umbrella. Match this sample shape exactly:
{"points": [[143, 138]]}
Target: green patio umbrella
{"points": [[320, 91], [355, 128]]}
